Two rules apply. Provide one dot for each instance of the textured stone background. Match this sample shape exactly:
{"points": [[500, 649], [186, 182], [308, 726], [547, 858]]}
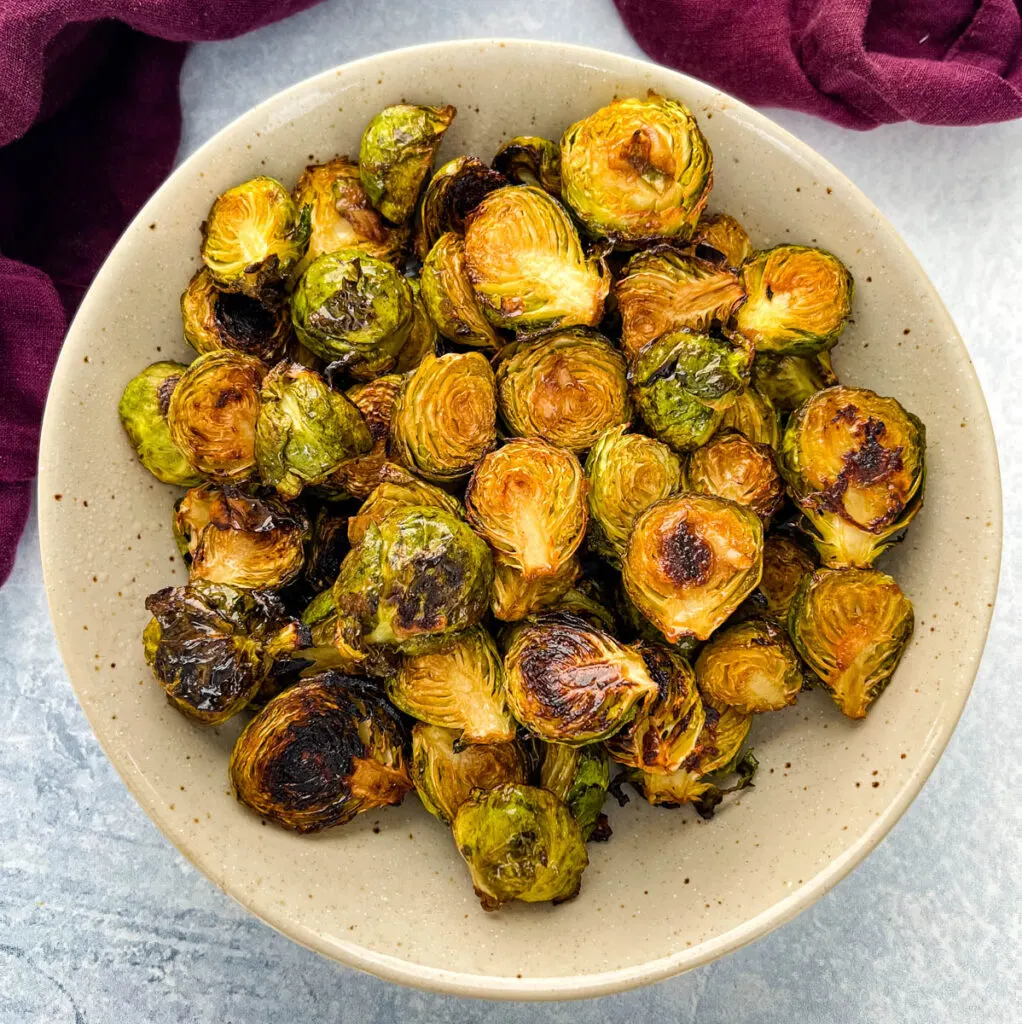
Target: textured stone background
{"points": [[101, 921]]}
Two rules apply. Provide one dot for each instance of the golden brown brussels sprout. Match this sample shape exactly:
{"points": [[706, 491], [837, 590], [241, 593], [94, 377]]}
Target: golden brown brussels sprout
{"points": [[855, 464], [731, 466], [662, 290], [454, 192], [683, 382], [253, 237], [527, 265], [214, 319], [570, 683], [391, 495], [753, 416], [785, 562], [520, 843], [851, 627], [423, 337], [637, 170], [446, 773], [320, 753], [460, 687], [211, 646], [578, 777], [799, 300], [724, 234], [143, 414], [788, 381], [567, 387], [626, 473], [690, 562], [531, 160], [516, 595], [445, 419], [396, 155], [587, 601], [750, 667], [213, 413], [528, 499], [447, 293]]}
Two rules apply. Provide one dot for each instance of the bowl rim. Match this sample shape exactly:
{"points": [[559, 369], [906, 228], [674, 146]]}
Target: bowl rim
{"points": [[578, 986]]}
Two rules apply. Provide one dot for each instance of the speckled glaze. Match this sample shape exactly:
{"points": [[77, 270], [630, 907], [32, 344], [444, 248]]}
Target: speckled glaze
{"points": [[388, 893]]}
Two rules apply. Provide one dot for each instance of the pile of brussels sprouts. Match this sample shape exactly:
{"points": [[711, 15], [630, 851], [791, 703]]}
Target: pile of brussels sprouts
{"points": [[505, 475]]}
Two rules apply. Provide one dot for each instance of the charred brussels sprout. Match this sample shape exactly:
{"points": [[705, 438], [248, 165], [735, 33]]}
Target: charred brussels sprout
{"points": [[578, 777], [527, 265], [855, 464], [516, 595], [326, 549], [637, 170], [799, 300], [143, 414], [567, 387], [570, 683], [391, 495], [445, 419], [446, 774], [520, 843], [454, 192], [320, 753], [725, 235], [531, 160], [690, 562], [528, 499], [788, 381], [587, 601], [731, 466], [851, 627], [253, 237], [627, 473], [753, 416], [447, 293], [213, 412], [785, 562], [396, 155]]}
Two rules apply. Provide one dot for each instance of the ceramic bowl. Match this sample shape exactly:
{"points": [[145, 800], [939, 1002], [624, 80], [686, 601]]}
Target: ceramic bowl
{"points": [[388, 893]]}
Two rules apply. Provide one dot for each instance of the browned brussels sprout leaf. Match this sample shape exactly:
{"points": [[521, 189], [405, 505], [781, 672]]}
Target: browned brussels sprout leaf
{"points": [[531, 160], [725, 235], [453, 193], [326, 549]]}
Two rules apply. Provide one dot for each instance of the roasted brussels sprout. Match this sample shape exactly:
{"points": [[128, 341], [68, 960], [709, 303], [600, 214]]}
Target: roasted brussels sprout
{"points": [[516, 595], [445, 773], [253, 237], [320, 618], [531, 160], [320, 753], [637, 170], [690, 562], [528, 499], [578, 777], [662, 290], [143, 413], [213, 411], [527, 265], [788, 381], [570, 683], [731, 466], [799, 300], [855, 464], [851, 627], [626, 473], [725, 235], [520, 843], [396, 155], [567, 387], [785, 562], [586, 600], [423, 337], [449, 298], [354, 311], [454, 192], [211, 646], [753, 416], [400, 494]]}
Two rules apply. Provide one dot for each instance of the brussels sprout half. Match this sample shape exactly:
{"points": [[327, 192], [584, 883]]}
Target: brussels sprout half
{"points": [[531, 160], [453, 193], [393, 494], [731, 466], [753, 416], [725, 235], [788, 381], [579, 777], [516, 595], [785, 562], [448, 296]]}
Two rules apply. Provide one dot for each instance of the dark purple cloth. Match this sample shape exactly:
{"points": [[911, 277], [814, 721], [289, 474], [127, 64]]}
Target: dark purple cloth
{"points": [[89, 124], [860, 63]]}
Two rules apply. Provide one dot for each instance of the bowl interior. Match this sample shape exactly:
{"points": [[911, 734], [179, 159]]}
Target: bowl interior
{"points": [[389, 893]]}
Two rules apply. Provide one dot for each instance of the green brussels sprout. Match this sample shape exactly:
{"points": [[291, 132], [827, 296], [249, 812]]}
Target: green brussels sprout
{"points": [[327, 546], [211, 646], [320, 618], [423, 337], [320, 753], [785, 562], [627, 473], [579, 778], [445, 773], [447, 293], [213, 412], [587, 601], [516, 595], [391, 495], [354, 311], [731, 466], [851, 627], [855, 465], [683, 382], [527, 265], [531, 160], [143, 414], [690, 562], [460, 687], [753, 416], [445, 419], [662, 290], [637, 170], [396, 155], [454, 191], [214, 319], [751, 667], [520, 843], [799, 300], [567, 387], [570, 683], [253, 237], [528, 499], [725, 235], [788, 381]]}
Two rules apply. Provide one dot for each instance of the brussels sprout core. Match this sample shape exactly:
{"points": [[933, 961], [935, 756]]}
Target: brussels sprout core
{"points": [[516, 595]]}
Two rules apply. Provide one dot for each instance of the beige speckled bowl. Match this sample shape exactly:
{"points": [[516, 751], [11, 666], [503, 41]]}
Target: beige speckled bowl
{"points": [[388, 893]]}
